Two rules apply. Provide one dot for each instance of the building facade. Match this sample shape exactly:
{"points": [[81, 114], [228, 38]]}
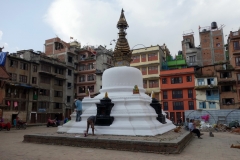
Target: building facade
{"points": [[177, 90], [36, 86], [149, 61], [207, 94]]}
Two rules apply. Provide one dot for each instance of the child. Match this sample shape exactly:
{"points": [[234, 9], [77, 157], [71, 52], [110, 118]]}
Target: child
{"points": [[91, 121]]}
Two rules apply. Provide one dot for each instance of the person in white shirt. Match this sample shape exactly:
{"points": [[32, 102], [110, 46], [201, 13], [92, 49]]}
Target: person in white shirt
{"points": [[192, 128]]}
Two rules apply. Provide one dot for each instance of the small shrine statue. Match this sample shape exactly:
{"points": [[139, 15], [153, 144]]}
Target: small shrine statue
{"points": [[135, 90]]}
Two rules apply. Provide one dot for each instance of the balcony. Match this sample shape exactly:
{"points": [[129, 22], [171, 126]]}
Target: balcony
{"points": [[87, 59], [212, 97], [227, 81], [205, 87], [227, 67], [87, 82], [93, 70]]}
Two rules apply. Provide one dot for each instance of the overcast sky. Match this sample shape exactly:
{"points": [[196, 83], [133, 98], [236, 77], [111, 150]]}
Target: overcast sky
{"points": [[26, 24]]}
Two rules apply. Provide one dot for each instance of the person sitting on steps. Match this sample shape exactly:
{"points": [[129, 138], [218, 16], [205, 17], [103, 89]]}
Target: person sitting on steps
{"points": [[193, 129]]}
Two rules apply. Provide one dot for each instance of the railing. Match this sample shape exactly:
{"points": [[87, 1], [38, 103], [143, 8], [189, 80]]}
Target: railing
{"points": [[177, 96], [235, 33]]}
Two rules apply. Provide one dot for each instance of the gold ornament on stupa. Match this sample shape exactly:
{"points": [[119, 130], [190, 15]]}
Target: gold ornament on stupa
{"points": [[106, 95], [122, 55], [153, 95], [135, 90]]}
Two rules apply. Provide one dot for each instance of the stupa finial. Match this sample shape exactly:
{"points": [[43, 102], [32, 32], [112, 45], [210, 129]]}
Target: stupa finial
{"points": [[122, 55], [153, 95], [106, 95]]}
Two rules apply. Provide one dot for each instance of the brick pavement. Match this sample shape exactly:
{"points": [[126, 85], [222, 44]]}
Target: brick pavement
{"points": [[12, 148]]}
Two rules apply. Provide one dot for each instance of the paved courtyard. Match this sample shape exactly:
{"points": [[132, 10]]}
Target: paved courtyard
{"points": [[12, 148]]}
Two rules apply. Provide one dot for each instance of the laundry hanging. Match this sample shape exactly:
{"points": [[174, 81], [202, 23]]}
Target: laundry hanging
{"points": [[15, 104]]}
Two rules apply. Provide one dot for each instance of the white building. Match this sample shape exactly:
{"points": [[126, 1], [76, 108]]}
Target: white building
{"points": [[207, 94]]}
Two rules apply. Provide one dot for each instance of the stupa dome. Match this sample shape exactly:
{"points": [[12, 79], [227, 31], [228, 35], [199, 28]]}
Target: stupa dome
{"points": [[123, 76]]}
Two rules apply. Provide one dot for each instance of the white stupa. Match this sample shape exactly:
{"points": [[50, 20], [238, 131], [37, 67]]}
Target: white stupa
{"points": [[133, 115]]}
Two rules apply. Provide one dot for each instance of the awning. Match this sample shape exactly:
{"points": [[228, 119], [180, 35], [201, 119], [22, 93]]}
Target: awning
{"points": [[25, 85]]}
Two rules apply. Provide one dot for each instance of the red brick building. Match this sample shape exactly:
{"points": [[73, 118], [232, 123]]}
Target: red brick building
{"points": [[177, 91]]}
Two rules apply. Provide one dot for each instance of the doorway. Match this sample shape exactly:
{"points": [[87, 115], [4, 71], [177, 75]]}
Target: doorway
{"points": [[14, 116]]}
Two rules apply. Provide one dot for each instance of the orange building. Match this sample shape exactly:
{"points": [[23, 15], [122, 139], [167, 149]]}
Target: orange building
{"points": [[177, 91]]}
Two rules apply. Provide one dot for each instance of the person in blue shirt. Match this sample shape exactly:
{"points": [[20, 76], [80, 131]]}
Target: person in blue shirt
{"points": [[78, 105]]}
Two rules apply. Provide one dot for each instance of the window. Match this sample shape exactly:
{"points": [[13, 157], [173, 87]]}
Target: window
{"points": [[165, 96], [90, 77], [82, 78], [202, 105], [153, 68], [46, 68], [236, 45], [237, 61], [210, 81], [153, 84], [57, 93], [58, 106], [226, 88], [69, 72], [164, 81], [177, 94], [58, 46], [212, 105], [43, 105], [165, 106], [13, 63], [23, 66], [189, 78], [91, 88], [81, 67], [44, 92], [218, 45], [34, 80], [68, 99], [81, 89], [227, 101], [89, 66], [201, 82], [23, 78], [144, 70], [178, 106], [225, 75], [144, 84], [235, 33], [59, 71], [238, 78], [58, 82], [143, 58], [69, 59], [176, 80], [190, 93], [44, 79], [190, 105], [34, 68], [69, 85], [13, 76], [192, 59]]}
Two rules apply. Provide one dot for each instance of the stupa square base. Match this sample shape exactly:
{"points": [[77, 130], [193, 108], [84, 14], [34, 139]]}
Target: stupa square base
{"points": [[168, 143]]}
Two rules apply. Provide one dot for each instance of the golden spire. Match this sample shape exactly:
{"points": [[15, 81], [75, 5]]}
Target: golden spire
{"points": [[122, 53], [153, 95], [106, 95]]}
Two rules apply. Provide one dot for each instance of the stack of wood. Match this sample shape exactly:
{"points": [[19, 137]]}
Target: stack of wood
{"points": [[221, 128]]}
